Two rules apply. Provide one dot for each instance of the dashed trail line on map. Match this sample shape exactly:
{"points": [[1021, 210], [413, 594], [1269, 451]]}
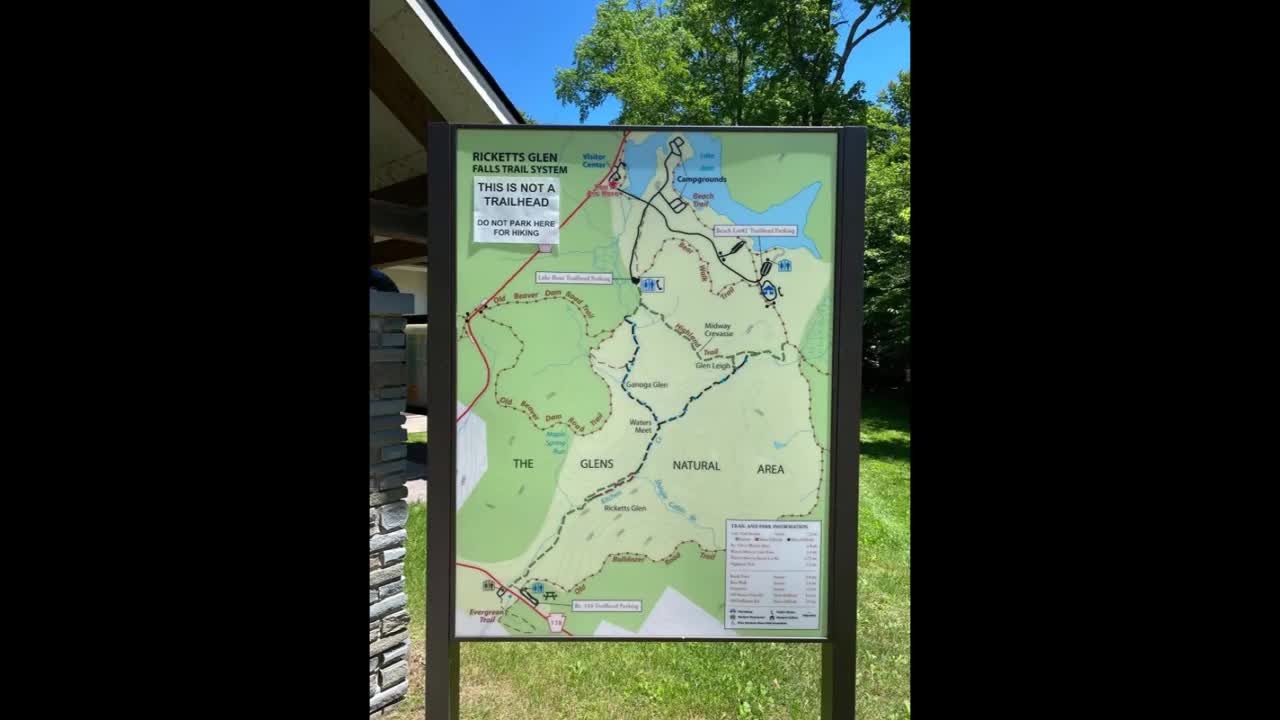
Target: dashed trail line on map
{"points": [[659, 423], [537, 251], [629, 366]]}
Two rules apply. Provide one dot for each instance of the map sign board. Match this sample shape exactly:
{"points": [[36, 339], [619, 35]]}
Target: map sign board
{"points": [[644, 361]]}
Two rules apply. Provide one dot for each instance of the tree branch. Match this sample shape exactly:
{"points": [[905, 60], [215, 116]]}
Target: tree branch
{"points": [[864, 35], [858, 23], [742, 76], [849, 43]]}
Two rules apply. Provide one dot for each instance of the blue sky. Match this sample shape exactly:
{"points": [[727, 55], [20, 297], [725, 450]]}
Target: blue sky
{"points": [[522, 42]]}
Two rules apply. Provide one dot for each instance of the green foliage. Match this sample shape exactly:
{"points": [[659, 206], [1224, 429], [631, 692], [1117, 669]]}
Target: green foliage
{"points": [[898, 97], [724, 62], [887, 274], [638, 55]]}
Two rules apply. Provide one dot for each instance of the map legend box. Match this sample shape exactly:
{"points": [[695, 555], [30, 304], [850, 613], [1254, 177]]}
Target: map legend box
{"points": [[771, 574]]}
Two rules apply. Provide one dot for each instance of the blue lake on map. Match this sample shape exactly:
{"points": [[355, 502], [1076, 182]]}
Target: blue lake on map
{"points": [[703, 161], [642, 160]]}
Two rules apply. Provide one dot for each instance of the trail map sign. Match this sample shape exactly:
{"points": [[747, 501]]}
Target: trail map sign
{"points": [[650, 325]]}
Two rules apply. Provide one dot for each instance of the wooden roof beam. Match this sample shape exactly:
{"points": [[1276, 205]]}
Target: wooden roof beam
{"points": [[396, 252], [411, 192], [402, 96], [402, 222]]}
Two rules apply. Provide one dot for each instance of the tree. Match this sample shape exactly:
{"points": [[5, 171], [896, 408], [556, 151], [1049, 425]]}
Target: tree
{"points": [[887, 260], [724, 62], [898, 97], [640, 56]]}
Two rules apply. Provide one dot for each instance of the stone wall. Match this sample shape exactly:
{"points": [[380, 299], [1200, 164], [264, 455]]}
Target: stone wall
{"points": [[388, 512]]}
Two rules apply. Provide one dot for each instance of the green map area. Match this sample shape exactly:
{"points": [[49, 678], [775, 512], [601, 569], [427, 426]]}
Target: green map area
{"points": [[644, 406]]}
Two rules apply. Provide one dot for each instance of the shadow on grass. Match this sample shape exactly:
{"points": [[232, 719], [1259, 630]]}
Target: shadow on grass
{"points": [[891, 449], [885, 410]]}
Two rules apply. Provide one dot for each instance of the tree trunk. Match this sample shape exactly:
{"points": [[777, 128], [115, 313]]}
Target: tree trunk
{"points": [[742, 69]]}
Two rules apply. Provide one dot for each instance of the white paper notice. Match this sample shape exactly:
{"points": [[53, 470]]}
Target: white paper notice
{"points": [[516, 210], [771, 574]]}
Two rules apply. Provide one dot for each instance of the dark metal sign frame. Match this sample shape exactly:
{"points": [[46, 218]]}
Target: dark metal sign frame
{"points": [[838, 647]]}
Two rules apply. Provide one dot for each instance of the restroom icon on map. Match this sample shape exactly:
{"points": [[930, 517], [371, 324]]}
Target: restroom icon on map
{"points": [[784, 265], [652, 284]]}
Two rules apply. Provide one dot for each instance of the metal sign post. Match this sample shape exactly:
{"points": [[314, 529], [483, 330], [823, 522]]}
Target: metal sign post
{"points": [[839, 652], [442, 646], [839, 596]]}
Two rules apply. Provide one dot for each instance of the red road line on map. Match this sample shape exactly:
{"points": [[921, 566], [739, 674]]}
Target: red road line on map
{"points": [[477, 342], [513, 592], [614, 166], [617, 156]]}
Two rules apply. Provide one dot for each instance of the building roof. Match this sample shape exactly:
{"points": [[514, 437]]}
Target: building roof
{"points": [[475, 61], [420, 71]]}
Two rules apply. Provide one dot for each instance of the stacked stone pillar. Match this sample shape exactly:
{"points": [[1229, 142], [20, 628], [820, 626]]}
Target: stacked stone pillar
{"points": [[388, 512]]}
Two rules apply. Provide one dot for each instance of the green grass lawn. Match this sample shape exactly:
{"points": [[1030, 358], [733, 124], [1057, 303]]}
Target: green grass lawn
{"points": [[707, 680]]}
